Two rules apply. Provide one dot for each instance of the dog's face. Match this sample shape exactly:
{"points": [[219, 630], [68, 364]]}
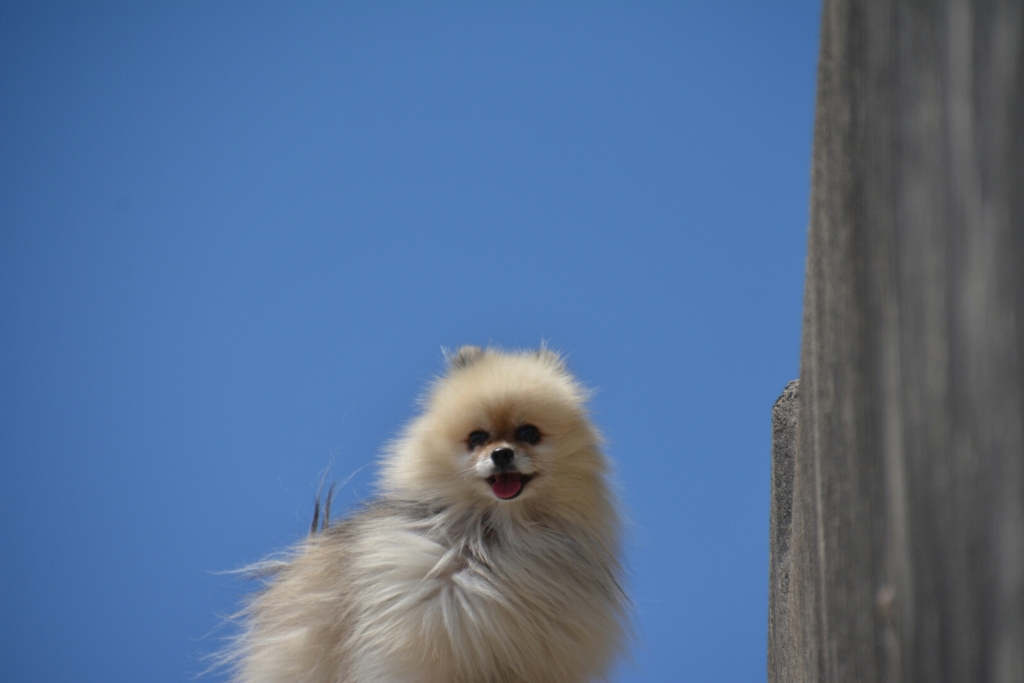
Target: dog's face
{"points": [[502, 456], [501, 429]]}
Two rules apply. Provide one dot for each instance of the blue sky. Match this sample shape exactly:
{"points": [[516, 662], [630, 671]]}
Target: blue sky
{"points": [[235, 236]]}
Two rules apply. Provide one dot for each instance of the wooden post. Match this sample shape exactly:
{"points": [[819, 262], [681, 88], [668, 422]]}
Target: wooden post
{"points": [[783, 450], [904, 555]]}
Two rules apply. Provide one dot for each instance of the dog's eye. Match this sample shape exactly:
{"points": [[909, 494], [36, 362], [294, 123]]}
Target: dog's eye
{"points": [[528, 434], [477, 439]]}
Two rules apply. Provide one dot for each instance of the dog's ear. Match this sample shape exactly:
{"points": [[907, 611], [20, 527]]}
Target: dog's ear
{"points": [[464, 357], [550, 357]]}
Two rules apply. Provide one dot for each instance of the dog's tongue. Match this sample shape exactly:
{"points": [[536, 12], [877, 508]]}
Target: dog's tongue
{"points": [[507, 485]]}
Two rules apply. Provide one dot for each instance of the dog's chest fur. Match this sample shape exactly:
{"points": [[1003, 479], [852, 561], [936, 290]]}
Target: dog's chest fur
{"points": [[409, 595]]}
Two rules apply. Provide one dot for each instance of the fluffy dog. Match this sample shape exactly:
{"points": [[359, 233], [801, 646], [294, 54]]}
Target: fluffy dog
{"points": [[491, 554]]}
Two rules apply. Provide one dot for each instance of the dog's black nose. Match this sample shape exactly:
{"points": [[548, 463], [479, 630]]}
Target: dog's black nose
{"points": [[502, 457]]}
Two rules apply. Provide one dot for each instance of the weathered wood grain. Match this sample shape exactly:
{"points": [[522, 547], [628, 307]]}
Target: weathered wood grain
{"points": [[906, 542], [783, 447]]}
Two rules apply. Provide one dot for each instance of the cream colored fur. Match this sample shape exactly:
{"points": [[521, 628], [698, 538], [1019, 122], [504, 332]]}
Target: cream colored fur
{"points": [[440, 581]]}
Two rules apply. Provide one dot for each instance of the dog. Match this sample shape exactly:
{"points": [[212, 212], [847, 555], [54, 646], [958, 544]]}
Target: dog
{"points": [[490, 555]]}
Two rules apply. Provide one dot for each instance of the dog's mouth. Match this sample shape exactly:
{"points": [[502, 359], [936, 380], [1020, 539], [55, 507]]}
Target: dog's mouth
{"points": [[508, 485]]}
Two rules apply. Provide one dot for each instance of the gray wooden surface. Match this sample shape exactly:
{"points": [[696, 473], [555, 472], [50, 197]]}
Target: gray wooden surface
{"points": [[783, 445], [903, 559]]}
